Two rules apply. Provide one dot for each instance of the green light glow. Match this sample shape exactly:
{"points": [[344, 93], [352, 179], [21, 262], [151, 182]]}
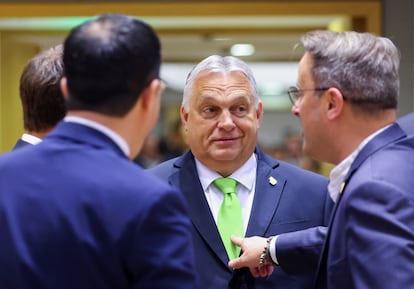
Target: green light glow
{"points": [[41, 23]]}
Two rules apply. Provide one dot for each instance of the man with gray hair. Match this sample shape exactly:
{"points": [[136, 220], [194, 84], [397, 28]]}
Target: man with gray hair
{"points": [[346, 99], [221, 113]]}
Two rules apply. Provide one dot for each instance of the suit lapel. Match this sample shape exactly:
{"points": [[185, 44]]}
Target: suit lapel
{"points": [[320, 277], [388, 136], [269, 187], [188, 181]]}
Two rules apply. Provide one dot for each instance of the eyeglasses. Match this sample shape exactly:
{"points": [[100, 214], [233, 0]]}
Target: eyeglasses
{"points": [[295, 93]]}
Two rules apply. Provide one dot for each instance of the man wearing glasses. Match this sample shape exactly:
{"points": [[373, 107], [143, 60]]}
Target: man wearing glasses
{"points": [[347, 103]]}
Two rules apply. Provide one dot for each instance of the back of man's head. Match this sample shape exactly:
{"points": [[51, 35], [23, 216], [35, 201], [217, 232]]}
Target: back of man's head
{"points": [[42, 100], [108, 62]]}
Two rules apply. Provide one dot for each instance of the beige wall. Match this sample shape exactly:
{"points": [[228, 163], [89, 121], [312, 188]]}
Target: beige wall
{"points": [[13, 56], [15, 51]]}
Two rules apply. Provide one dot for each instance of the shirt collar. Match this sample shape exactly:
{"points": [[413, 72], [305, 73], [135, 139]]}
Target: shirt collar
{"points": [[245, 175], [339, 172], [31, 139], [116, 138]]}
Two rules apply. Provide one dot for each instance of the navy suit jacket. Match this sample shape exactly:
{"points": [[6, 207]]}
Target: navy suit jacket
{"points": [[298, 251], [76, 213], [299, 200], [21, 143], [370, 239], [407, 123]]}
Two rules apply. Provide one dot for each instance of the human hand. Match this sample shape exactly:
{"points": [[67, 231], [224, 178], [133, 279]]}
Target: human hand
{"points": [[262, 271], [252, 248]]}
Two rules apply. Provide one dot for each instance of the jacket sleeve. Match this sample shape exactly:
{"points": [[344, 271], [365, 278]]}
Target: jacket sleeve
{"points": [[298, 252]]}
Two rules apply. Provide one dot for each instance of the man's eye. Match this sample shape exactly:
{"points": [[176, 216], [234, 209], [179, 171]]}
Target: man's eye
{"points": [[209, 109], [240, 110]]}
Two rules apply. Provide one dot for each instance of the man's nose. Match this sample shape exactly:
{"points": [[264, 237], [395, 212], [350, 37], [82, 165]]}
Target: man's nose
{"points": [[295, 110], [226, 119]]}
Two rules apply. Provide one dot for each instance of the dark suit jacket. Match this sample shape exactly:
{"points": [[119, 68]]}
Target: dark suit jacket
{"points": [[370, 240], [407, 123], [299, 200], [76, 213], [298, 251], [21, 143]]}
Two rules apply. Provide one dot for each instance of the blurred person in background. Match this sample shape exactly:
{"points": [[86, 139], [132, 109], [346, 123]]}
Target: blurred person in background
{"points": [[42, 100]]}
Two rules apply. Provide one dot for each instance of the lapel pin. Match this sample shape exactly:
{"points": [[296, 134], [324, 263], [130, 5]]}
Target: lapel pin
{"points": [[342, 188], [272, 181]]}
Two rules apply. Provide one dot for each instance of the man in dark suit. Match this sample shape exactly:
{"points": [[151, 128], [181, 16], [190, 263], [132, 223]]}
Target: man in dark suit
{"points": [[347, 101], [221, 114], [42, 100], [297, 252], [75, 211]]}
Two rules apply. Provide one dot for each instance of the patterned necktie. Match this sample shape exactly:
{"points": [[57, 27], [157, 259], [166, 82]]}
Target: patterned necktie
{"points": [[230, 220]]}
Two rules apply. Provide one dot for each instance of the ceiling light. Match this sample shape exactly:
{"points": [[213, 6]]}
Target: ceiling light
{"points": [[242, 50]]}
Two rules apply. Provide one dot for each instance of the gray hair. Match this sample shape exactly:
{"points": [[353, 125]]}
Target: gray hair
{"points": [[216, 63], [362, 66]]}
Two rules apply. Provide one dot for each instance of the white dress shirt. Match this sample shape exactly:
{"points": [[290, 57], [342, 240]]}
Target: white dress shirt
{"points": [[246, 183]]}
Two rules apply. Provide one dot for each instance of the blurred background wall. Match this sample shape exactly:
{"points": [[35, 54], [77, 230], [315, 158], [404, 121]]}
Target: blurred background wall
{"points": [[263, 33]]}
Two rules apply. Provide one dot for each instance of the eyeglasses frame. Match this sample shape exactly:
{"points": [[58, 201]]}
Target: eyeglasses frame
{"points": [[293, 92]]}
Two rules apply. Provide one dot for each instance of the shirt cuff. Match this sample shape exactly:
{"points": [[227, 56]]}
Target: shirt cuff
{"points": [[272, 249]]}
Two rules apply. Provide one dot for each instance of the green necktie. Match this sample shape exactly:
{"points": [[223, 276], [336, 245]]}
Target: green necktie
{"points": [[230, 220]]}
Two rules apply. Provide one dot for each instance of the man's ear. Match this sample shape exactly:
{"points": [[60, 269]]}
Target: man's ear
{"points": [[259, 112], [64, 87], [150, 93], [335, 102], [184, 117], [183, 114]]}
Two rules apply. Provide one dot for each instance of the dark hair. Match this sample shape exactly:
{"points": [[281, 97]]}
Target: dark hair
{"points": [[42, 101], [108, 62]]}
